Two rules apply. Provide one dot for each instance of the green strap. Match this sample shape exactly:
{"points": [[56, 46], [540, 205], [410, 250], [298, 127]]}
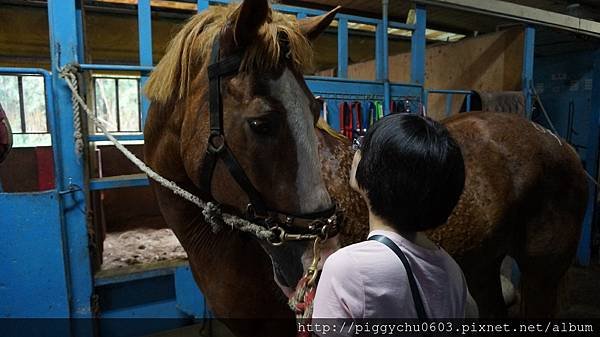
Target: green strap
{"points": [[378, 110]]}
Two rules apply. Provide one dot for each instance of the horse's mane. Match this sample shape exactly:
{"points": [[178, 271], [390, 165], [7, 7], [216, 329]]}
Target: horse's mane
{"points": [[191, 48]]}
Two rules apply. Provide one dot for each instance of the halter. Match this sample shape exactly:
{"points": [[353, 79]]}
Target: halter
{"points": [[284, 226]]}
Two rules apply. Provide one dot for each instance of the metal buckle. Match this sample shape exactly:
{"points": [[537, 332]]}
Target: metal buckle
{"points": [[219, 145]]}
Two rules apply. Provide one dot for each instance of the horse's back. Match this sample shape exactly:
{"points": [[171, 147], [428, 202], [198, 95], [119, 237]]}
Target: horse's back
{"points": [[518, 174], [525, 196]]}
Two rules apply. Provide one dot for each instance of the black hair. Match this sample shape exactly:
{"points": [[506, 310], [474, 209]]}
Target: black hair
{"points": [[412, 171]]}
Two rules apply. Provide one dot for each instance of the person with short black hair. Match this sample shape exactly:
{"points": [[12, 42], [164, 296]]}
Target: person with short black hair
{"points": [[411, 173]]}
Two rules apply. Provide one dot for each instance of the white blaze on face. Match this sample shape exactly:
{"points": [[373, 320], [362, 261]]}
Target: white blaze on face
{"points": [[309, 183]]}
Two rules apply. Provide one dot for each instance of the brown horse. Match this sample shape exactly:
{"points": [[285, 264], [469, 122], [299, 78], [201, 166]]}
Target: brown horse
{"points": [[524, 196]]}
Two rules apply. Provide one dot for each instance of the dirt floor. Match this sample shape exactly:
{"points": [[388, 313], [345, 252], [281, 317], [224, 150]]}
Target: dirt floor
{"points": [[140, 246], [581, 300], [580, 297]]}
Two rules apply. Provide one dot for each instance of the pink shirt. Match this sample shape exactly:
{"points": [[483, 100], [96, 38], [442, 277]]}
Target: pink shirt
{"points": [[368, 280]]}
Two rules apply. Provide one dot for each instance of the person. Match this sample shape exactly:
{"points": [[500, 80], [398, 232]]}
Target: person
{"points": [[5, 135], [410, 172]]}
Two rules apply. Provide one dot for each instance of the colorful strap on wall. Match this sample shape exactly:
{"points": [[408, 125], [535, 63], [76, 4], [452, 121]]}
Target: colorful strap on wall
{"points": [[346, 123]]}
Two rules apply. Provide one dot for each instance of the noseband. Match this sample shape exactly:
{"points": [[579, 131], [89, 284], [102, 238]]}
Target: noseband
{"points": [[284, 226]]}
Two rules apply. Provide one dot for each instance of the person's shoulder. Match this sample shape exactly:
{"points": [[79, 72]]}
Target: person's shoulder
{"points": [[452, 267]]}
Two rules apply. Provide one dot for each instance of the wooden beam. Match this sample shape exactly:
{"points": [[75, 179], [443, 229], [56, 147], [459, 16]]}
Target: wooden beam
{"points": [[157, 3], [521, 13]]}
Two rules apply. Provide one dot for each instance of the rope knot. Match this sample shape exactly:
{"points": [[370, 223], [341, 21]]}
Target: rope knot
{"points": [[213, 215]]}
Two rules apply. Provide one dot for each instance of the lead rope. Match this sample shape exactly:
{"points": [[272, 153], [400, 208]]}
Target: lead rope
{"points": [[211, 211]]}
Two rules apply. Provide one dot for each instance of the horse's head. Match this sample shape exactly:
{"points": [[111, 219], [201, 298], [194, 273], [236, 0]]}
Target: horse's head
{"points": [[261, 109]]}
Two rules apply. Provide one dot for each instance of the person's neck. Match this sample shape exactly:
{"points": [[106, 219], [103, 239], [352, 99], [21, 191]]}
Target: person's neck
{"points": [[418, 238]]}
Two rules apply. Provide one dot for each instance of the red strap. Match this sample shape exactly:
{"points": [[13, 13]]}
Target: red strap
{"points": [[358, 108], [346, 120]]}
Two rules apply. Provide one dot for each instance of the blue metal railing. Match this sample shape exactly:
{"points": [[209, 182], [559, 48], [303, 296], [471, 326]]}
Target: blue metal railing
{"points": [[449, 97]]}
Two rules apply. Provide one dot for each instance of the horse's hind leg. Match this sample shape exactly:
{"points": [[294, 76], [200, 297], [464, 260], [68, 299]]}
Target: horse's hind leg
{"points": [[544, 263], [540, 282]]}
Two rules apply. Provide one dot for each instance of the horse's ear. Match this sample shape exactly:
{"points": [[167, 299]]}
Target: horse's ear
{"points": [[313, 26], [252, 15]]}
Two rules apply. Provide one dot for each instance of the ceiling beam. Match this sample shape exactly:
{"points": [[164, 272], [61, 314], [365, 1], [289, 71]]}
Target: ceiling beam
{"points": [[521, 13]]}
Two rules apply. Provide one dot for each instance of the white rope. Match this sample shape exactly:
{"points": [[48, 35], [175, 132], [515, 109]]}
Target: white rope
{"points": [[211, 212], [77, 134]]}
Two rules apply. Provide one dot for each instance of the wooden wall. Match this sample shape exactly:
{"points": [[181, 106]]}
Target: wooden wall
{"points": [[113, 39], [492, 62]]}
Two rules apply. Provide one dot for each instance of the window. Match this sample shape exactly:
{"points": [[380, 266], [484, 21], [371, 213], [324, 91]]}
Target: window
{"points": [[117, 102], [23, 98]]}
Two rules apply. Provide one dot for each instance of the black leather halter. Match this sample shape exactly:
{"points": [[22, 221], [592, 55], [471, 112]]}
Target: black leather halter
{"points": [[285, 226]]}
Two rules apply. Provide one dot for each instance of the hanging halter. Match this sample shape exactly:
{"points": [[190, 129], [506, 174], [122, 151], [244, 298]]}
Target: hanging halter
{"points": [[285, 226]]}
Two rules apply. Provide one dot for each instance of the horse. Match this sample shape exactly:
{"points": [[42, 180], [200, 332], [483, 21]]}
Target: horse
{"points": [[524, 195]]}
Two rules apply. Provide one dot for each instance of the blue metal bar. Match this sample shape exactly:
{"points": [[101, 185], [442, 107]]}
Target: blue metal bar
{"points": [[119, 137], [202, 5], [527, 75], [379, 53], [342, 48], [145, 40], [26, 71], [129, 180], [315, 12], [469, 102], [353, 82], [448, 105], [301, 15], [80, 35], [403, 26], [425, 99], [62, 19], [385, 58], [418, 45], [115, 67], [449, 91]]}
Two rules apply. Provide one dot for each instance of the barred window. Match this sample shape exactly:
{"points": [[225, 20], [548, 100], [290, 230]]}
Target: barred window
{"points": [[23, 100], [117, 102]]}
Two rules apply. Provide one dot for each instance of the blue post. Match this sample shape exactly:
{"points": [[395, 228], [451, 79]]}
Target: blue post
{"points": [[202, 5], [591, 165], [72, 180], [468, 102], [527, 75], [342, 47], [385, 59], [448, 104], [418, 45], [145, 40], [80, 35], [379, 53]]}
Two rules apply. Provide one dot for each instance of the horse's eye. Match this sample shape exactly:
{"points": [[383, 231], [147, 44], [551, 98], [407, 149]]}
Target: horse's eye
{"points": [[261, 126]]}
